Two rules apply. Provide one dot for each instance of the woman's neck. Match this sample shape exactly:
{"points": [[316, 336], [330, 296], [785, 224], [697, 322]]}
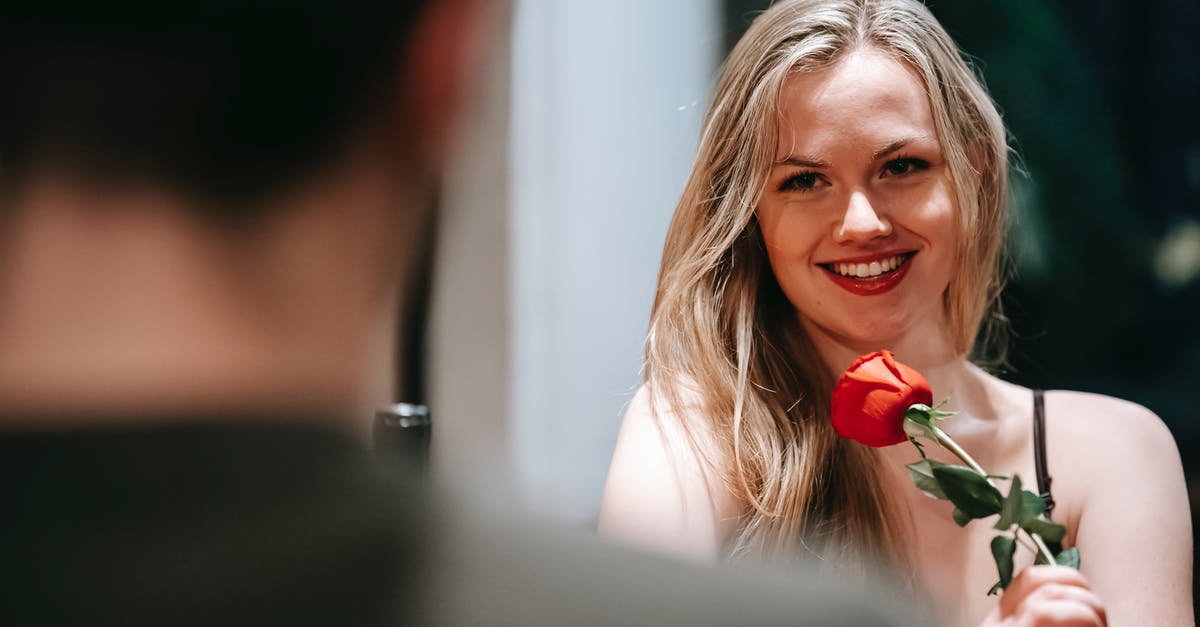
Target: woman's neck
{"points": [[976, 398], [928, 350]]}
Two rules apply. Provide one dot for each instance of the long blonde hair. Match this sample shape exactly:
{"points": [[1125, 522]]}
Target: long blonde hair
{"points": [[721, 329]]}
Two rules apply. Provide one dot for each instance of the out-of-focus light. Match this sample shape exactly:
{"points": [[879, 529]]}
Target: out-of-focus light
{"points": [[1177, 259]]}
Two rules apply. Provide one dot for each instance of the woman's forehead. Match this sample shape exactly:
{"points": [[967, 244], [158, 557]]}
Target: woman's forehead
{"points": [[866, 100]]}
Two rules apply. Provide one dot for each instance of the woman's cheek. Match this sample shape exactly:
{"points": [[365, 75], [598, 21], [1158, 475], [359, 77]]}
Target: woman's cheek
{"points": [[785, 231], [940, 210]]}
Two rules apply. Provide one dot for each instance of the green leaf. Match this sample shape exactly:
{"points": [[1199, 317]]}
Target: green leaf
{"points": [[961, 517], [1003, 548], [938, 414], [1011, 512], [1069, 557], [969, 490], [1050, 531], [1032, 506], [919, 413], [994, 589], [922, 475]]}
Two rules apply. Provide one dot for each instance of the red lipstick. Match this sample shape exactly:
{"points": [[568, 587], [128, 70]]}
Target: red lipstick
{"points": [[873, 286]]}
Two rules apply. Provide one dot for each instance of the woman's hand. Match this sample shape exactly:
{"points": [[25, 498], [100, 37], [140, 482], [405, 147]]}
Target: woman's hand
{"points": [[1048, 595]]}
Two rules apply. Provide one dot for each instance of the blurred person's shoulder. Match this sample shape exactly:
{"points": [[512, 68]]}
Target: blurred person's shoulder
{"points": [[500, 567], [203, 521]]}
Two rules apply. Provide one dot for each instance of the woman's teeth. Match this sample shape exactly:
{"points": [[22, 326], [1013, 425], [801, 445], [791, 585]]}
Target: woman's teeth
{"points": [[868, 270]]}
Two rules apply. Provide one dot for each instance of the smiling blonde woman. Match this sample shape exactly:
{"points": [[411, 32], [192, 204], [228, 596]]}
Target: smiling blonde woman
{"points": [[849, 196]]}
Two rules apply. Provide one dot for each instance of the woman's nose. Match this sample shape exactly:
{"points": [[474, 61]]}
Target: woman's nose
{"points": [[861, 221]]}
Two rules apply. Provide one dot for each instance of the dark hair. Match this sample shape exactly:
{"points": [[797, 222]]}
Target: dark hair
{"points": [[225, 101]]}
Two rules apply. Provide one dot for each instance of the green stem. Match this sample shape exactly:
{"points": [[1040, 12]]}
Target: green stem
{"points": [[942, 438], [1042, 548], [1022, 542], [946, 441]]}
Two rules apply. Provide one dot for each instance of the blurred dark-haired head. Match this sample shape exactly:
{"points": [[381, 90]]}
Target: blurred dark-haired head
{"points": [[223, 101], [213, 204]]}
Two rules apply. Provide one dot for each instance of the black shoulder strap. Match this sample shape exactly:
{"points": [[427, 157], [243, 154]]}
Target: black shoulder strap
{"points": [[1039, 449]]}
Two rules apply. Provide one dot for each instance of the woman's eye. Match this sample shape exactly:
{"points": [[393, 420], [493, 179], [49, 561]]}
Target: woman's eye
{"points": [[803, 181], [906, 165]]}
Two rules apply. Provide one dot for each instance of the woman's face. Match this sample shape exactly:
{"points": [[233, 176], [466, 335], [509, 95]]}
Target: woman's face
{"points": [[858, 214]]}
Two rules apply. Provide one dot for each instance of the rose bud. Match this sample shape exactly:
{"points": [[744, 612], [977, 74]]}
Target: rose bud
{"points": [[871, 398]]}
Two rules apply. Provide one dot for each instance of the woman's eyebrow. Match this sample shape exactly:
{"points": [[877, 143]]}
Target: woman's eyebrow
{"points": [[808, 161], [803, 161], [896, 145]]}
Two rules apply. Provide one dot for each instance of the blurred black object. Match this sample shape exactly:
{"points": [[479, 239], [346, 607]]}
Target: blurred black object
{"points": [[401, 435], [216, 521]]}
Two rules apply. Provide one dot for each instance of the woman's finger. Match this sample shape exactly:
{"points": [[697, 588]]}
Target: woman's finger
{"points": [[1060, 613], [1051, 597], [1033, 578]]}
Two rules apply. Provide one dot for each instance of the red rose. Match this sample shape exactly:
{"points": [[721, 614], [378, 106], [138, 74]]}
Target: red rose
{"points": [[871, 398]]}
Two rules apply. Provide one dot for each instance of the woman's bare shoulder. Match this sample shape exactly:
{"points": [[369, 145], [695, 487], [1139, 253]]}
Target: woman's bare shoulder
{"points": [[1096, 426], [665, 487], [1100, 447], [1119, 464]]}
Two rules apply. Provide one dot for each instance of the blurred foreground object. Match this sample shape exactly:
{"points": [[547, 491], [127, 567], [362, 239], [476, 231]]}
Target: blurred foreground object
{"points": [[401, 436], [207, 211]]}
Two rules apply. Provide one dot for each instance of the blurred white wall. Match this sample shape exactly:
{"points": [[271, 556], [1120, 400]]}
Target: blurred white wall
{"points": [[603, 102], [468, 337]]}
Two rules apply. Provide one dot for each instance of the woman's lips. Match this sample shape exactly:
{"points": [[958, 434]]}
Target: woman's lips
{"points": [[883, 273]]}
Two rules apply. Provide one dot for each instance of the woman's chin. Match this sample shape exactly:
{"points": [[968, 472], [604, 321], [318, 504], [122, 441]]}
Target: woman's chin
{"points": [[864, 336]]}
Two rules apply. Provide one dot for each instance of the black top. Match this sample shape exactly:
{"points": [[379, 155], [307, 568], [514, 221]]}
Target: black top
{"points": [[1039, 450]]}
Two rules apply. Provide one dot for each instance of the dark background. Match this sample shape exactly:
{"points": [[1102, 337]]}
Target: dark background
{"points": [[1102, 99]]}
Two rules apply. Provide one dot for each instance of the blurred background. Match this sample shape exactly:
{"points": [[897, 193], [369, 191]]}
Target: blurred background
{"points": [[557, 202]]}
